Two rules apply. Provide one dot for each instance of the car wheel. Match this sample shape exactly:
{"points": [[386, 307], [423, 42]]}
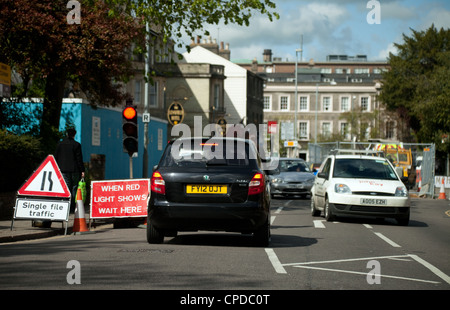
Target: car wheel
{"points": [[314, 211], [329, 216], [403, 221], [261, 237], [153, 234]]}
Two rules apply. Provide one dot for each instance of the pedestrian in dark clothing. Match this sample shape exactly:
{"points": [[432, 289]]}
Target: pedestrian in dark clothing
{"points": [[69, 157]]}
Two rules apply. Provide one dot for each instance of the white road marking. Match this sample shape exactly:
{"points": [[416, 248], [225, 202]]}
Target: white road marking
{"points": [[367, 226], [279, 267], [392, 243], [318, 224], [345, 260], [275, 261], [433, 269], [365, 274]]}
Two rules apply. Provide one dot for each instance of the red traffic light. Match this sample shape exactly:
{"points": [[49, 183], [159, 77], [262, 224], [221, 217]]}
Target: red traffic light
{"points": [[129, 113]]}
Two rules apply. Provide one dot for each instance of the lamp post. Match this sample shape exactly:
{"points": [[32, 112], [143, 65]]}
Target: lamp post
{"points": [[296, 92]]}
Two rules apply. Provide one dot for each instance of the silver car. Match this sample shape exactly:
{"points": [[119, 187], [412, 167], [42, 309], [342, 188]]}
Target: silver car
{"points": [[292, 177]]}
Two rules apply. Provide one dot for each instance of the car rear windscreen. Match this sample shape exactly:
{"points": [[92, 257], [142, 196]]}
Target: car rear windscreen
{"points": [[201, 153]]}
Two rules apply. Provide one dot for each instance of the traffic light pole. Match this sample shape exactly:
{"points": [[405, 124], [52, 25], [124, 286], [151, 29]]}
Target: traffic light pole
{"points": [[146, 93], [131, 166]]}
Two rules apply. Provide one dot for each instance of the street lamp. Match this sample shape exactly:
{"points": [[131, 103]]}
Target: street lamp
{"points": [[317, 98], [296, 92]]}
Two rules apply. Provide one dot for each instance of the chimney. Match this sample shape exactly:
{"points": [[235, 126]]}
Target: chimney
{"points": [[225, 53], [267, 55], [254, 65]]}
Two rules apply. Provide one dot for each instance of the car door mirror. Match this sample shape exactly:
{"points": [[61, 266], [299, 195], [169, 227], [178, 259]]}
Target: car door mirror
{"points": [[322, 175]]}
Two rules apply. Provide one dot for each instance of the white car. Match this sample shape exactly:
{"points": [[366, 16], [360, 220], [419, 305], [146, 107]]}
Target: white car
{"points": [[360, 185]]}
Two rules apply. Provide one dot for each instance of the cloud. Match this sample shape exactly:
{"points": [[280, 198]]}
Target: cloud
{"points": [[384, 53], [397, 11], [331, 27], [439, 16], [318, 22]]}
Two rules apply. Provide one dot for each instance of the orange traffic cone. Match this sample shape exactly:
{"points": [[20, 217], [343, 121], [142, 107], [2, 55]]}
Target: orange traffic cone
{"points": [[79, 223], [442, 192], [420, 184]]}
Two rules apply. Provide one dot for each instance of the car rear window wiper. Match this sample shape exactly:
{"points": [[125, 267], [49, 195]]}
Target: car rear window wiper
{"points": [[217, 162]]}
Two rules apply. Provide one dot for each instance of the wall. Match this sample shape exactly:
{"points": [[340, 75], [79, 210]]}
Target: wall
{"points": [[100, 133]]}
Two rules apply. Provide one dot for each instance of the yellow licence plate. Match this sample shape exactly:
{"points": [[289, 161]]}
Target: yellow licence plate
{"points": [[206, 189]]}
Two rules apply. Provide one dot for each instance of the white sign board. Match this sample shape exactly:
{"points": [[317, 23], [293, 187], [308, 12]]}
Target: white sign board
{"points": [[53, 210], [146, 117], [96, 133]]}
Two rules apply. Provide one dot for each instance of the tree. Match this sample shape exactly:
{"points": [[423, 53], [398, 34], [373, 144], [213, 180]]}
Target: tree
{"points": [[417, 85], [40, 44]]}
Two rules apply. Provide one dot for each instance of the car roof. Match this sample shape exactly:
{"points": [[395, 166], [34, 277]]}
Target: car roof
{"points": [[358, 157], [212, 138]]}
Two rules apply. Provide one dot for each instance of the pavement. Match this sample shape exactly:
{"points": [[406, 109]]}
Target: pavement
{"points": [[25, 230]]}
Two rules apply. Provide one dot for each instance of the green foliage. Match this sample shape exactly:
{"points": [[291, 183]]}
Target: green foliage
{"points": [[174, 18], [20, 155], [417, 86]]}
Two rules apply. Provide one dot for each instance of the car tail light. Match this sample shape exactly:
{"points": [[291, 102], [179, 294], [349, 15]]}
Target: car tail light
{"points": [[157, 183], [257, 184]]}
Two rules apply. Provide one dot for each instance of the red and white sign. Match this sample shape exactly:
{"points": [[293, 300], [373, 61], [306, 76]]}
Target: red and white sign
{"points": [[120, 198], [46, 181], [272, 127]]}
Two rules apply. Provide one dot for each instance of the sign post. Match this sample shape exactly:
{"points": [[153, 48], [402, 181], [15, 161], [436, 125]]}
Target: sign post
{"points": [[44, 196]]}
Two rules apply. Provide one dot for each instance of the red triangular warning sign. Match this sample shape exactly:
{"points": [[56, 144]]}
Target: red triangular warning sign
{"points": [[47, 181]]}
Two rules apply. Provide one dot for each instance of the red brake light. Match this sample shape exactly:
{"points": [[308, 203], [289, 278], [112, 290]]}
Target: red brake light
{"points": [[209, 144], [157, 183], [257, 184]]}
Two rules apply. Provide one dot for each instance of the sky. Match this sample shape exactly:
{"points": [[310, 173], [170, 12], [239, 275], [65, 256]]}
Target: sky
{"points": [[330, 27]]}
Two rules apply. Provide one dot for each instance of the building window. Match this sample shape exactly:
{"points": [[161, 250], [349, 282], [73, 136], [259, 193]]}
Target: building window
{"points": [[345, 104], [267, 103], [326, 104], [326, 129], [365, 104], [216, 96], [304, 103], [153, 90], [284, 103], [364, 131], [137, 91], [344, 131], [303, 130], [390, 130], [343, 70], [362, 71], [325, 70]]}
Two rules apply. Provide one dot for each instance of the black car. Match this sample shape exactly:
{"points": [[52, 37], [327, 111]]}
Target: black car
{"points": [[212, 184]]}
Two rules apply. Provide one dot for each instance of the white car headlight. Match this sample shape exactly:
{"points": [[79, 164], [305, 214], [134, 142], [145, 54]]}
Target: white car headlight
{"points": [[342, 189], [277, 180], [401, 191]]}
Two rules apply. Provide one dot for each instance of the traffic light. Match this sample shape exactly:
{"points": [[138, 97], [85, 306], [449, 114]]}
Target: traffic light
{"points": [[130, 130]]}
